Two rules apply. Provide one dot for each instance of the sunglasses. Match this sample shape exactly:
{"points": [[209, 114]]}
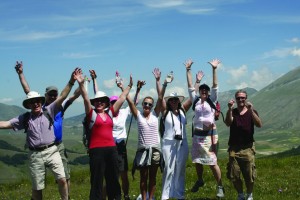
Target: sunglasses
{"points": [[147, 104], [52, 94], [34, 101], [174, 99], [240, 98]]}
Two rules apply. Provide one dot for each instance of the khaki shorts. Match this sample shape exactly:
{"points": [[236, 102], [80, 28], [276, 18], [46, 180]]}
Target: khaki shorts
{"points": [[242, 161], [64, 158], [39, 160]]}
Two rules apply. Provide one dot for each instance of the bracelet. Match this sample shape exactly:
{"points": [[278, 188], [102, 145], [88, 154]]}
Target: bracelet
{"points": [[71, 83], [198, 81], [188, 69]]}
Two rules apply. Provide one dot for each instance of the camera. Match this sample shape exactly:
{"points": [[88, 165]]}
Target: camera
{"points": [[178, 137]]}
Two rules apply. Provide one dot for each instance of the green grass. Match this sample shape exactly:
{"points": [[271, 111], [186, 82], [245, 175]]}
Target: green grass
{"points": [[278, 178]]}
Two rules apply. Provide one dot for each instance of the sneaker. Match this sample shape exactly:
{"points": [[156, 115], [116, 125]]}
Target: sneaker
{"points": [[241, 196], [197, 185], [220, 191], [249, 196]]}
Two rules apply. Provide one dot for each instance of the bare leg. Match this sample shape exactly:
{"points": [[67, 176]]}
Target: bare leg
{"points": [[217, 173], [152, 180], [125, 183], [63, 188], [143, 182]]}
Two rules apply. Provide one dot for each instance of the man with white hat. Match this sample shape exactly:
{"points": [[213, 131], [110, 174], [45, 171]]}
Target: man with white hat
{"points": [[41, 139], [51, 95]]}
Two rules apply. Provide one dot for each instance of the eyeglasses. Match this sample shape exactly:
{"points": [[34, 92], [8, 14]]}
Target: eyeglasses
{"points": [[147, 104], [240, 98]]}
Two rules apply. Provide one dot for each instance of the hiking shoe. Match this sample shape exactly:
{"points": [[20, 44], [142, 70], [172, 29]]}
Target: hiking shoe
{"points": [[241, 197], [220, 191], [249, 197], [197, 185]]}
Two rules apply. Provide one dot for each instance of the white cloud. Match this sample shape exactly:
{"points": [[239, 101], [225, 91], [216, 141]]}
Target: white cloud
{"points": [[237, 73], [295, 52], [280, 53], [261, 78], [294, 40], [109, 83], [6, 100], [164, 4], [78, 55]]}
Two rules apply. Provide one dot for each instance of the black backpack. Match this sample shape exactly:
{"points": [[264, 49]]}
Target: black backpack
{"points": [[162, 122]]}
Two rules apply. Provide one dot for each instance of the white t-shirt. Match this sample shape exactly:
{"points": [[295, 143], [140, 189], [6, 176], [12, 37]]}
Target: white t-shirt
{"points": [[169, 133], [119, 128]]}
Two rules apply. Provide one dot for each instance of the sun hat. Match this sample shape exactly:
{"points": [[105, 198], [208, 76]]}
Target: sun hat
{"points": [[32, 95], [51, 88], [113, 98], [98, 95], [174, 95], [204, 87]]}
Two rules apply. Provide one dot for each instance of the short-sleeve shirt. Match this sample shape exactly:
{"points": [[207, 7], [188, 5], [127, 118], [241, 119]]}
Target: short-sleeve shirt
{"points": [[148, 130], [119, 127], [241, 128], [39, 132]]}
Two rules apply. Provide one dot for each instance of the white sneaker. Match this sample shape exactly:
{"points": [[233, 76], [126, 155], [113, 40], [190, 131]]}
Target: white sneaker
{"points": [[249, 196], [220, 191]]}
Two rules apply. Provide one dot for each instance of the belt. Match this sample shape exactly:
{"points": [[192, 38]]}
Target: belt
{"points": [[41, 148]]}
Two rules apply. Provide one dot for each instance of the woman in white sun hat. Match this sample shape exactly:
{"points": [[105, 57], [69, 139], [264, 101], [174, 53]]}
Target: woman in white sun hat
{"points": [[102, 147]]}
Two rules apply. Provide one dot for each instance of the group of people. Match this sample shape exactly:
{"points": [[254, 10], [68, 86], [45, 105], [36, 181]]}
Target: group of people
{"points": [[167, 150]]}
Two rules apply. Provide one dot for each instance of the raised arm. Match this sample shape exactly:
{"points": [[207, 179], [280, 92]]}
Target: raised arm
{"points": [[214, 64], [255, 117], [188, 65], [5, 125], [65, 92], [19, 70], [229, 118], [94, 76], [199, 77], [84, 94], [123, 96]]}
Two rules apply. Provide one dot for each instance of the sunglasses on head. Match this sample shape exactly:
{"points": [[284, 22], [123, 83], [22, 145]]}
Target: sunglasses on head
{"points": [[240, 98], [147, 104]]}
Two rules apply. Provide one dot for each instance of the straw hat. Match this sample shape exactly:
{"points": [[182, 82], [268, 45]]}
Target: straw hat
{"points": [[32, 95], [100, 95], [174, 95]]}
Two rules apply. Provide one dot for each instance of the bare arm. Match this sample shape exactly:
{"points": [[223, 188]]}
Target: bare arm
{"points": [[188, 65], [123, 96], [229, 118], [255, 117], [94, 76], [68, 87], [19, 70], [157, 74], [75, 95], [214, 64], [5, 125], [199, 77], [86, 100]]}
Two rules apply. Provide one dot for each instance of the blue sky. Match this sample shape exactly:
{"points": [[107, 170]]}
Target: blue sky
{"points": [[256, 40]]}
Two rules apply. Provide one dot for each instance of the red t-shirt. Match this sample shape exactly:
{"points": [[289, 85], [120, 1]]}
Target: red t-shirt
{"points": [[101, 134]]}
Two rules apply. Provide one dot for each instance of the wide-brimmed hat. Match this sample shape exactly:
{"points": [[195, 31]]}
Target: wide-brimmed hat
{"points": [[113, 98], [100, 95], [174, 95], [51, 88], [204, 87], [32, 95]]}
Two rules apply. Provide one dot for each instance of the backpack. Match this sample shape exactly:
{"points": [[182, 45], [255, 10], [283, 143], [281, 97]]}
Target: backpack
{"points": [[87, 127], [26, 117], [216, 107], [162, 122]]}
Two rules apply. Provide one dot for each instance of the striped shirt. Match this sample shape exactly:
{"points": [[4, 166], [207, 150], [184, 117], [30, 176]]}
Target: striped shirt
{"points": [[147, 130]]}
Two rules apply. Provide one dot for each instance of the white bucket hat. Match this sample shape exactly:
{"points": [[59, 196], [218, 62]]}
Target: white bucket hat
{"points": [[32, 95], [174, 95], [98, 95]]}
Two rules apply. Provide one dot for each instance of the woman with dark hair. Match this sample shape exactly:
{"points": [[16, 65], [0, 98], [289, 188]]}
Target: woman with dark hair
{"points": [[205, 137], [174, 144], [102, 147]]}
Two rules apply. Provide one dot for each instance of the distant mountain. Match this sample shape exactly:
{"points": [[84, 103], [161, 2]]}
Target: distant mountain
{"points": [[8, 111]]}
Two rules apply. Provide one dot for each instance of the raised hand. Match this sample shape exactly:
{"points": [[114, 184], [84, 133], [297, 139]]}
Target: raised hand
{"points": [[214, 63], [93, 74], [19, 67], [157, 73], [199, 75], [188, 63], [77, 75], [231, 104], [140, 84]]}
